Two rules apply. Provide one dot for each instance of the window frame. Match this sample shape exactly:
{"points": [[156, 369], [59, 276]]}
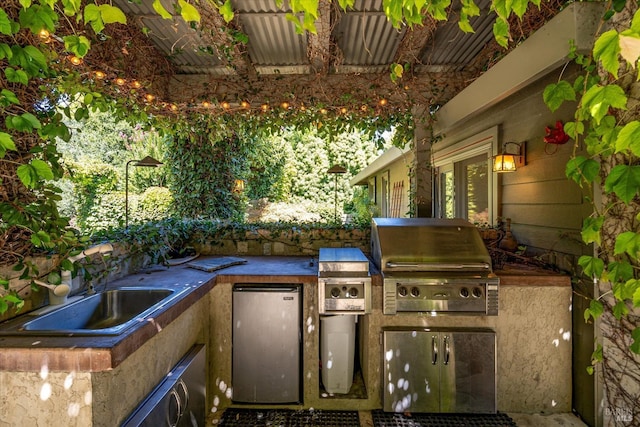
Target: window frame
{"points": [[449, 157]]}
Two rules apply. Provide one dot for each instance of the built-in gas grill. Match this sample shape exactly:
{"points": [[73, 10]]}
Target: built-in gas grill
{"points": [[433, 265], [344, 283]]}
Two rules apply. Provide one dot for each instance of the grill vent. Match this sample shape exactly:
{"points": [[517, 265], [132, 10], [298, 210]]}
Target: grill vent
{"points": [[492, 300], [390, 306]]}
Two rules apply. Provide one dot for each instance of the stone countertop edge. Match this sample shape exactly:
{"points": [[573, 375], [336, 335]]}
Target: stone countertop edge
{"points": [[101, 353]]}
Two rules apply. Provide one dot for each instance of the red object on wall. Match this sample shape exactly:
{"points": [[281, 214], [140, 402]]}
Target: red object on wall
{"points": [[556, 135]]}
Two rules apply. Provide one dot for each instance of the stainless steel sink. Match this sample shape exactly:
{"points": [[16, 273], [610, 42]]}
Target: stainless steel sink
{"points": [[107, 313]]}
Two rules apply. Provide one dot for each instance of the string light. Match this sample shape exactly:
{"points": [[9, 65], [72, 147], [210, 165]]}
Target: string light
{"points": [[244, 105], [44, 35]]}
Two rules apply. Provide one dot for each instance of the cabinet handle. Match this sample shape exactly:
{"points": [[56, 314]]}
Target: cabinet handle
{"points": [[447, 349], [434, 350], [173, 423], [185, 398]]}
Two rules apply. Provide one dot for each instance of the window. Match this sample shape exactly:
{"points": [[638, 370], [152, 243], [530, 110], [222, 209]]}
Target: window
{"points": [[465, 183]]}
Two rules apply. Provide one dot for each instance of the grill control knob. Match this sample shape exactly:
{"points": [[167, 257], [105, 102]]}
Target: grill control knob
{"points": [[476, 292], [335, 292], [353, 293], [464, 293], [415, 292], [402, 291]]}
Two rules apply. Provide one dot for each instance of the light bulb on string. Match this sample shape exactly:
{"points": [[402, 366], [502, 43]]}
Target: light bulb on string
{"points": [[75, 60], [120, 81], [100, 75]]}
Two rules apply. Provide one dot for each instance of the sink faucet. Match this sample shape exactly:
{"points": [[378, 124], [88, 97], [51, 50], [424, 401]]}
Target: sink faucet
{"points": [[57, 293], [65, 275]]}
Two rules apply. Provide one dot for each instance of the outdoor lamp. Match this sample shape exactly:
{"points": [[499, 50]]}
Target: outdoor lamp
{"points": [[511, 158], [148, 162], [336, 170]]}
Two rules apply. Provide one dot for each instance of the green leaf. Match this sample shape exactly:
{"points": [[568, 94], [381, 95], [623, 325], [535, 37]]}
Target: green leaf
{"points": [[620, 271], [579, 168], [593, 267], [591, 229], [595, 310], [501, 32], [27, 175], [16, 76], [226, 10], [635, 346], [160, 10], [112, 15], [71, 7], [37, 17], [93, 17], [620, 309], [574, 129], [555, 94], [6, 144], [43, 169], [629, 243], [35, 55], [78, 45], [629, 138], [623, 180], [8, 97], [607, 49], [188, 11], [519, 7], [598, 99], [5, 23], [438, 9]]}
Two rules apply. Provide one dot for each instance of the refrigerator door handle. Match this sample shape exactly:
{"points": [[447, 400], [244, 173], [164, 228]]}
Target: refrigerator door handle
{"points": [[447, 349], [434, 349]]}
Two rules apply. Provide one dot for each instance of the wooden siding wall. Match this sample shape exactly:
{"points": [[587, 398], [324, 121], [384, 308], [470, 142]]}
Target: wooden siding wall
{"points": [[397, 173], [546, 209]]}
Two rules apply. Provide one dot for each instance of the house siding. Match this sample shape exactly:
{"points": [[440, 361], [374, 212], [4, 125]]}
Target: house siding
{"points": [[546, 209]]}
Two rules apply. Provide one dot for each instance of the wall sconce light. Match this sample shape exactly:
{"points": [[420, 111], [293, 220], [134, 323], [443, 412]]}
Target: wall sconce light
{"points": [[511, 158], [148, 162], [238, 186]]}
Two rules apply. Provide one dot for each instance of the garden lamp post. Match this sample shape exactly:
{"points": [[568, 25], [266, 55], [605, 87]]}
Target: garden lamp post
{"points": [[335, 170], [148, 162]]}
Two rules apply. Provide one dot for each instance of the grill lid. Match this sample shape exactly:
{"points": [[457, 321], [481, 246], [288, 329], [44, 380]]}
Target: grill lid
{"points": [[428, 245]]}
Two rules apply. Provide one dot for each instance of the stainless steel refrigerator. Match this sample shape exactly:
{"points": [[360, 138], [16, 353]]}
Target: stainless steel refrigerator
{"points": [[439, 370], [266, 343]]}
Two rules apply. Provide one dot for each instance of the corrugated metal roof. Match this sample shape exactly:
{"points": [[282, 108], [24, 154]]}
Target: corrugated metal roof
{"points": [[450, 46], [362, 39]]}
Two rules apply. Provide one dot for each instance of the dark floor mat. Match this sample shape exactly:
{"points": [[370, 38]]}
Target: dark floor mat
{"points": [[389, 419], [238, 417]]}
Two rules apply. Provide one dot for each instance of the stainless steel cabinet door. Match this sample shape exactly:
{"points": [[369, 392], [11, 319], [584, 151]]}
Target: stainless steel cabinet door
{"points": [[266, 344], [411, 371], [468, 378]]}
